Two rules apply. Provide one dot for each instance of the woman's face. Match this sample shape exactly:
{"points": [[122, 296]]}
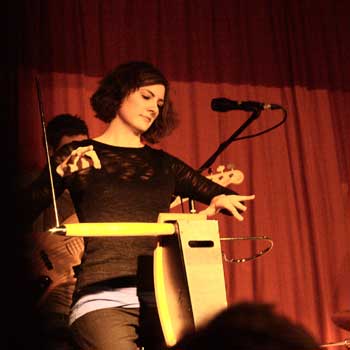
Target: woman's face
{"points": [[141, 107]]}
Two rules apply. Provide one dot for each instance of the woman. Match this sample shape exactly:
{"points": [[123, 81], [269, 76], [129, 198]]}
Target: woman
{"points": [[118, 177]]}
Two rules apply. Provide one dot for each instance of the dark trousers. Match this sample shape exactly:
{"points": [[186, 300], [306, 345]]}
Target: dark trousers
{"points": [[119, 329], [54, 332]]}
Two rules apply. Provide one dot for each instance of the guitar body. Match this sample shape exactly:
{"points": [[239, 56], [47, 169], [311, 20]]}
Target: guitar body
{"points": [[51, 259]]}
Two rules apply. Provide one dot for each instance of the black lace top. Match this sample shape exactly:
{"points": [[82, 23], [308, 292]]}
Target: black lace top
{"points": [[133, 185]]}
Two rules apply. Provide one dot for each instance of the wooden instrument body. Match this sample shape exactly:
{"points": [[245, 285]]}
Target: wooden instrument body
{"points": [[188, 267], [189, 277]]}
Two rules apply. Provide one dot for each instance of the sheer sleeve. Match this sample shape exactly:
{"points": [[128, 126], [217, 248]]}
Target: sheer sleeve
{"points": [[37, 196], [190, 183]]}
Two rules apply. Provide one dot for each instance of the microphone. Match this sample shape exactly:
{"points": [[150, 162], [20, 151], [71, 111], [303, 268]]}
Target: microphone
{"points": [[222, 104]]}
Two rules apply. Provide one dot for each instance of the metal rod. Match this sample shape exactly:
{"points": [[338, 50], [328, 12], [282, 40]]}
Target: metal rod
{"points": [[345, 342], [42, 116]]}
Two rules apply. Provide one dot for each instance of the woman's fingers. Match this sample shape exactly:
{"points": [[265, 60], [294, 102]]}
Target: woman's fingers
{"points": [[80, 158], [95, 160], [231, 203], [236, 205], [237, 215]]}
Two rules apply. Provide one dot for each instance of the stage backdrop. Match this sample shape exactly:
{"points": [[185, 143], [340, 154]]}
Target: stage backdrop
{"points": [[294, 53]]}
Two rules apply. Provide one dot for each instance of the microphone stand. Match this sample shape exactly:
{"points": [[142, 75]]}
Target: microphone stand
{"points": [[222, 147]]}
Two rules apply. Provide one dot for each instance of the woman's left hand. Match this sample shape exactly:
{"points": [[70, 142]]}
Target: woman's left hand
{"points": [[231, 203]]}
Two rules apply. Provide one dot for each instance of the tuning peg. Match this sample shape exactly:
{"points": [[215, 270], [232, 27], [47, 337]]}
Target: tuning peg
{"points": [[220, 168]]}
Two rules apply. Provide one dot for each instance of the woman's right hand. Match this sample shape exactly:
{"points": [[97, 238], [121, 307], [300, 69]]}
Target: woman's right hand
{"points": [[80, 158]]}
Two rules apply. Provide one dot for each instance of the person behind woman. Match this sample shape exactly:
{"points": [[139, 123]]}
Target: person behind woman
{"points": [[48, 260], [119, 177], [53, 257]]}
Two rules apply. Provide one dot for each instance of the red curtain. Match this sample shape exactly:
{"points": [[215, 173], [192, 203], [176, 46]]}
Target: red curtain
{"points": [[294, 53]]}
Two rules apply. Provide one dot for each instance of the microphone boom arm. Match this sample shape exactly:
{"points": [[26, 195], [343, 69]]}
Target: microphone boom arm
{"points": [[226, 143], [222, 147]]}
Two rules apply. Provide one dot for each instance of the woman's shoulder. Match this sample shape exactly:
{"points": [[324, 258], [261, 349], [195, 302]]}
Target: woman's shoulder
{"points": [[159, 152], [170, 159]]}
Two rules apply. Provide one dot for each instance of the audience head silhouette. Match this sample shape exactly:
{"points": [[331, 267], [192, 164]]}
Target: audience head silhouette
{"points": [[249, 326]]}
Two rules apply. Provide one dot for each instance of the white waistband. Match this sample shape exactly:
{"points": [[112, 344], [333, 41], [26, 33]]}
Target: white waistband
{"points": [[119, 297]]}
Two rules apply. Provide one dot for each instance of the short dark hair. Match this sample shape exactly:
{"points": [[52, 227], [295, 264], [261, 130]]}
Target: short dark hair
{"points": [[64, 125], [249, 326], [125, 79]]}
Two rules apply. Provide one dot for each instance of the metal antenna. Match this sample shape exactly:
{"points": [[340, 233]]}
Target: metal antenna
{"points": [[47, 150]]}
